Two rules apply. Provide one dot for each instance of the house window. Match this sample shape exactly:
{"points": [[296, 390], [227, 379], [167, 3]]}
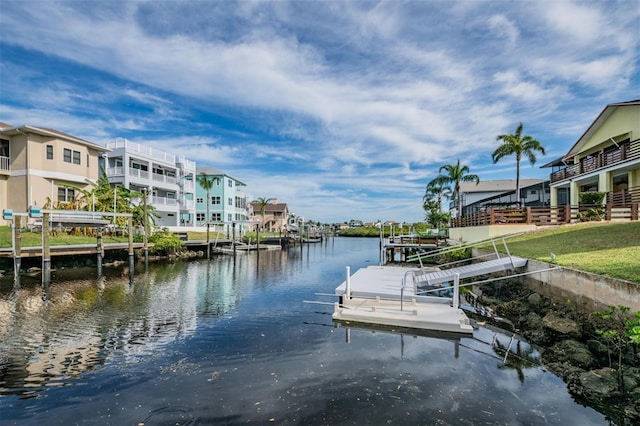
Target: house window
{"points": [[66, 195], [4, 148], [200, 217], [66, 156], [76, 157], [230, 201], [216, 200], [230, 183], [229, 218], [216, 217], [49, 152], [87, 160], [199, 200]]}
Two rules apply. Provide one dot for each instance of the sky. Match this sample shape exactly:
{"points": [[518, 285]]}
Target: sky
{"points": [[341, 109]]}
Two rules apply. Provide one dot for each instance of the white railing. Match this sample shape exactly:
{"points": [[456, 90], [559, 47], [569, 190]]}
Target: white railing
{"points": [[187, 165], [5, 163], [164, 201], [188, 185], [115, 171], [187, 204], [142, 174], [143, 150], [164, 178]]}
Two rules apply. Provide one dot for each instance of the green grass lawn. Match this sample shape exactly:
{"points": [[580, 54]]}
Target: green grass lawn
{"points": [[34, 239], [611, 249]]}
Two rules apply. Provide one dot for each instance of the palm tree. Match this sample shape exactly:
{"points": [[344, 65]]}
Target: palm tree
{"points": [[437, 190], [455, 173], [206, 183], [518, 145], [262, 202]]}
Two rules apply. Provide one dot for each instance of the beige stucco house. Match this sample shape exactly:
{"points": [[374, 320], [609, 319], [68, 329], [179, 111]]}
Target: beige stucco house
{"points": [[606, 158], [39, 164], [275, 216]]}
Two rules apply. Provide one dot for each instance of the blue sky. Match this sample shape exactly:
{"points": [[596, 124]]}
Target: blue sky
{"points": [[342, 109]]}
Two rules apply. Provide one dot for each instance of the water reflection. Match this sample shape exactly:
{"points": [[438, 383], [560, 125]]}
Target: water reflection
{"points": [[229, 341]]}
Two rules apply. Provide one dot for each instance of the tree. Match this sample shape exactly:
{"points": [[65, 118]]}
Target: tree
{"points": [[517, 145], [436, 189], [206, 183], [262, 202], [455, 174]]}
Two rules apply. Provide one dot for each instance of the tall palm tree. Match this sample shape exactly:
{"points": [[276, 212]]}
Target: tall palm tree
{"points": [[517, 145], [455, 174], [206, 183], [437, 190], [262, 202]]}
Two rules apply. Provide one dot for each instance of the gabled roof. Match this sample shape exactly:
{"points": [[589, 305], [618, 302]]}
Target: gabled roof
{"points": [[45, 131], [598, 122], [270, 207]]}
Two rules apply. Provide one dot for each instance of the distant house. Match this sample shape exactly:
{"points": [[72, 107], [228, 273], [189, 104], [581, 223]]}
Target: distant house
{"points": [[475, 197], [275, 218], [606, 158], [167, 178], [40, 166], [227, 202]]}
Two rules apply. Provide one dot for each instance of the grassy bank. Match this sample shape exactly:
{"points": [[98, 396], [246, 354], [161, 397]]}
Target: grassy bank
{"points": [[611, 249]]}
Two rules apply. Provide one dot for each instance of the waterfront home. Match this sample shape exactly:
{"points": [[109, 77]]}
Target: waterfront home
{"points": [[606, 158], [169, 180], [499, 192], [227, 199], [40, 166], [275, 216]]}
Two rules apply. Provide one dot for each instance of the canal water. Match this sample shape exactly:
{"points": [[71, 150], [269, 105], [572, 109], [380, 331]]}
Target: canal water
{"points": [[230, 341]]}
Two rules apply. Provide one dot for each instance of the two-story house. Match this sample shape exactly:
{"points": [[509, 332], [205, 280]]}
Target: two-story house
{"points": [[169, 180], [275, 217], [227, 199], [41, 166], [606, 158]]}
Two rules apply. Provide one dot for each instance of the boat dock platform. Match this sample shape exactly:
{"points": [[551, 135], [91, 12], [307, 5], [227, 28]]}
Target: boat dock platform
{"points": [[412, 297]]}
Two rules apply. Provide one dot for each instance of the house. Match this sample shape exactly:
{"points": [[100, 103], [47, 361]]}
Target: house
{"points": [[42, 167], [474, 197], [532, 195], [606, 158], [168, 179], [275, 216], [227, 199]]}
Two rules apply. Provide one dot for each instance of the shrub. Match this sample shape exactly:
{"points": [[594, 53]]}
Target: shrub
{"points": [[164, 242]]}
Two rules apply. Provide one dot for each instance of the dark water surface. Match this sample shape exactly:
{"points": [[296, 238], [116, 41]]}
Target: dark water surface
{"points": [[231, 342]]}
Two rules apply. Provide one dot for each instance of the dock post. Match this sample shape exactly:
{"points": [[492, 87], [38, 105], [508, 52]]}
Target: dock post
{"points": [[99, 252], [233, 241], [46, 251], [131, 253], [348, 282], [17, 260], [145, 238], [456, 291]]}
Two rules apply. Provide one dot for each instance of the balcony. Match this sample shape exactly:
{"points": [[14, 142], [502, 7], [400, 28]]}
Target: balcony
{"points": [[602, 160], [187, 205], [5, 164], [132, 147], [164, 178], [187, 185], [115, 171], [142, 174]]}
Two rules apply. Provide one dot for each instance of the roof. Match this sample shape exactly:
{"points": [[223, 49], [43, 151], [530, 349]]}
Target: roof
{"points": [[46, 131], [597, 123], [499, 185], [210, 171], [553, 163], [270, 207]]}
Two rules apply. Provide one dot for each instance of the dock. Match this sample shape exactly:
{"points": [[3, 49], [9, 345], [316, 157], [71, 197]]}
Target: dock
{"points": [[400, 296]]}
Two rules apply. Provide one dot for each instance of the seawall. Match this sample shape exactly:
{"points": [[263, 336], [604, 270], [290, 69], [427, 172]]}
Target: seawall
{"points": [[588, 290]]}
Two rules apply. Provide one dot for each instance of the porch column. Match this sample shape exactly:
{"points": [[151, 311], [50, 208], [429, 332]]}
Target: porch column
{"points": [[553, 197], [604, 182], [574, 190]]}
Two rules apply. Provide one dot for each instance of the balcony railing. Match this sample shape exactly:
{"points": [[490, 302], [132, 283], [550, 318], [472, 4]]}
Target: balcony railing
{"points": [[592, 163], [5, 163], [164, 201], [142, 174], [187, 205], [624, 198], [143, 150], [115, 171], [164, 178]]}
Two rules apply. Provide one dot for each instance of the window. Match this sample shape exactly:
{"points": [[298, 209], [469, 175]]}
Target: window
{"points": [[199, 200], [87, 160], [4, 148], [230, 183], [230, 201], [49, 152], [66, 195], [216, 217], [200, 217], [76, 157], [229, 217], [216, 200], [66, 156]]}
